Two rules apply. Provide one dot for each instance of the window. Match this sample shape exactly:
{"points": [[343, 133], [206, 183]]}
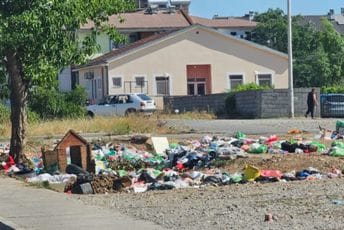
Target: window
{"points": [[233, 33], [196, 86], [75, 79], [115, 45], [99, 84], [133, 37], [89, 75], [117, 82], [140, 82], [265, 79], [144, 97], [162, 85], [123, 99], [235, 80]]}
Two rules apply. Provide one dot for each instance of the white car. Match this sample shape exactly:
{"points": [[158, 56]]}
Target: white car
{"points": [[122, 104]]}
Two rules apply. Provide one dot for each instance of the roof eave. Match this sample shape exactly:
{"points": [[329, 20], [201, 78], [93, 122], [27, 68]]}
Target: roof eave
{"points": [[108, 60], [89, 66]]}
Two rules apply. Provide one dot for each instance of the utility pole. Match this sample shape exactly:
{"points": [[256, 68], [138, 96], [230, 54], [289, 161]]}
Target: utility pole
{"points": [[290, 61]]}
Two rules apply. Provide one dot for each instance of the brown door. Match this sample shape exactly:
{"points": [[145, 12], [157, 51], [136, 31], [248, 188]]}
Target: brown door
{"points": [[198, 79], [75, 155]]}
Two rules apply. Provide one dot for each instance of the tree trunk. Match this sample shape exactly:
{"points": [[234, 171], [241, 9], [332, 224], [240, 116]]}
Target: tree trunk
{"points": [[18, 96]]}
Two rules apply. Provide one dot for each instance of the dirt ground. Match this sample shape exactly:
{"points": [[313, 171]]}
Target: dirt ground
{"points": [[287, 162], [315, 204], [294, 205]]}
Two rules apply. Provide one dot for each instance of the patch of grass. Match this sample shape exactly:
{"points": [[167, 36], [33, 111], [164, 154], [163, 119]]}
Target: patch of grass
{"points": [[44, 184], [4, 130], [112, 125], [194, 115], [135, 123]]}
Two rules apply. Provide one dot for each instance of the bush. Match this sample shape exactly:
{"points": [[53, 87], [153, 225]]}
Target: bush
{"points": [[251, 86], [230, 99], [4, 114], [50, 103], [332, 89], [32, 117]]}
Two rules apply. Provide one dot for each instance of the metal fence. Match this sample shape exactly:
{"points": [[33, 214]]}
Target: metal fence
{"points": [[136, 87], [332, 105]]}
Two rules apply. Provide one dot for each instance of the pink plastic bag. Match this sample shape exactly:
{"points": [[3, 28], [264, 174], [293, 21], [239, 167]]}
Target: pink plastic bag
{"points": [[271, 173]]}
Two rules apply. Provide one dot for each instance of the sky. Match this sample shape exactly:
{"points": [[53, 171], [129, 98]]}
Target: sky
{"points": [[208, 8]]}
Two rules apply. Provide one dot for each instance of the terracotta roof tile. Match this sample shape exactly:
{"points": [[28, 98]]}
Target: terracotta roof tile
{"points": [[102, 59], [141, 20], [223, 23], [164, 19]]}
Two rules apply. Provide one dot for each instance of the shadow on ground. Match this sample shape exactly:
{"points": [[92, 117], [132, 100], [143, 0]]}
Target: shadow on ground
{"points": [[5, 227]]}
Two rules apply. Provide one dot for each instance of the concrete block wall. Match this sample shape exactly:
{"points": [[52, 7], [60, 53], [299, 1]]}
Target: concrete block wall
{"points": [[210, 103], [247, 104], [273, 103], [300, 101]]}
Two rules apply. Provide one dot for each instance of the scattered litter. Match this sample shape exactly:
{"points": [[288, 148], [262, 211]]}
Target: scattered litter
{"points": [[54, 179], [268, 217], [251, 173], [160, 144], [107, 168], [338, 202]]}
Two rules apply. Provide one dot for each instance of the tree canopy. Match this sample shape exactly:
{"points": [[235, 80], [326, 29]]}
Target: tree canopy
{"points": [[42, 32], [318, 54], [271, 29], [37, 39]]}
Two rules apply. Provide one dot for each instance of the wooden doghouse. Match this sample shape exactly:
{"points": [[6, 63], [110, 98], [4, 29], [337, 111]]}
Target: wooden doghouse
{"points": [[73, 149], [49, 158]]}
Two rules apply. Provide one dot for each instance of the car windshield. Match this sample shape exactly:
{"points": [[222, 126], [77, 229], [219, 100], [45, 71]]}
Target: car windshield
{"points": [[336, 98], [144, 97]]}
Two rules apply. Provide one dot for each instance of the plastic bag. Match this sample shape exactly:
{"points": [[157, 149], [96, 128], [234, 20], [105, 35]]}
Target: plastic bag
{"points": [[251, 173], [338, 144], [337, 152], [258, 148], [240, 135], [339, 124], [321, 147], [236, 177], [271, 173]]}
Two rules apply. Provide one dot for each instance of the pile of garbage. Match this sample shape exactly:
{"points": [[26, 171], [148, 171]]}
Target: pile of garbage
{"points": [[150, 179], [24, 167], [191, 164]]}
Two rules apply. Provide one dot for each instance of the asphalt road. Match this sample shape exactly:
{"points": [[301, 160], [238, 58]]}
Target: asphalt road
{"points": [[256, 126]]}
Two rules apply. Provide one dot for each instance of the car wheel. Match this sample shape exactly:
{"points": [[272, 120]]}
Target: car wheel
{"points": [[129, 111], [90, 114]]}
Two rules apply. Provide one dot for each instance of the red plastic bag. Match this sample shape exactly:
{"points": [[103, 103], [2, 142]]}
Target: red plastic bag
{"points": [[271, 173]]}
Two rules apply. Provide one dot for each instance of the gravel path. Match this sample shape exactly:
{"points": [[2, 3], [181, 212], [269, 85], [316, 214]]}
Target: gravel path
{"points": [[256, 126], [293, 205]]}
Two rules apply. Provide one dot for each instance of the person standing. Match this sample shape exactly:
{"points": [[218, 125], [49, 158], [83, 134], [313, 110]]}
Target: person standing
{"points": [[311, 103]]}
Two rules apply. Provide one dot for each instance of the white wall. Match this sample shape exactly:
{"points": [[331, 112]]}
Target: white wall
{"points": [[65, 80]]}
